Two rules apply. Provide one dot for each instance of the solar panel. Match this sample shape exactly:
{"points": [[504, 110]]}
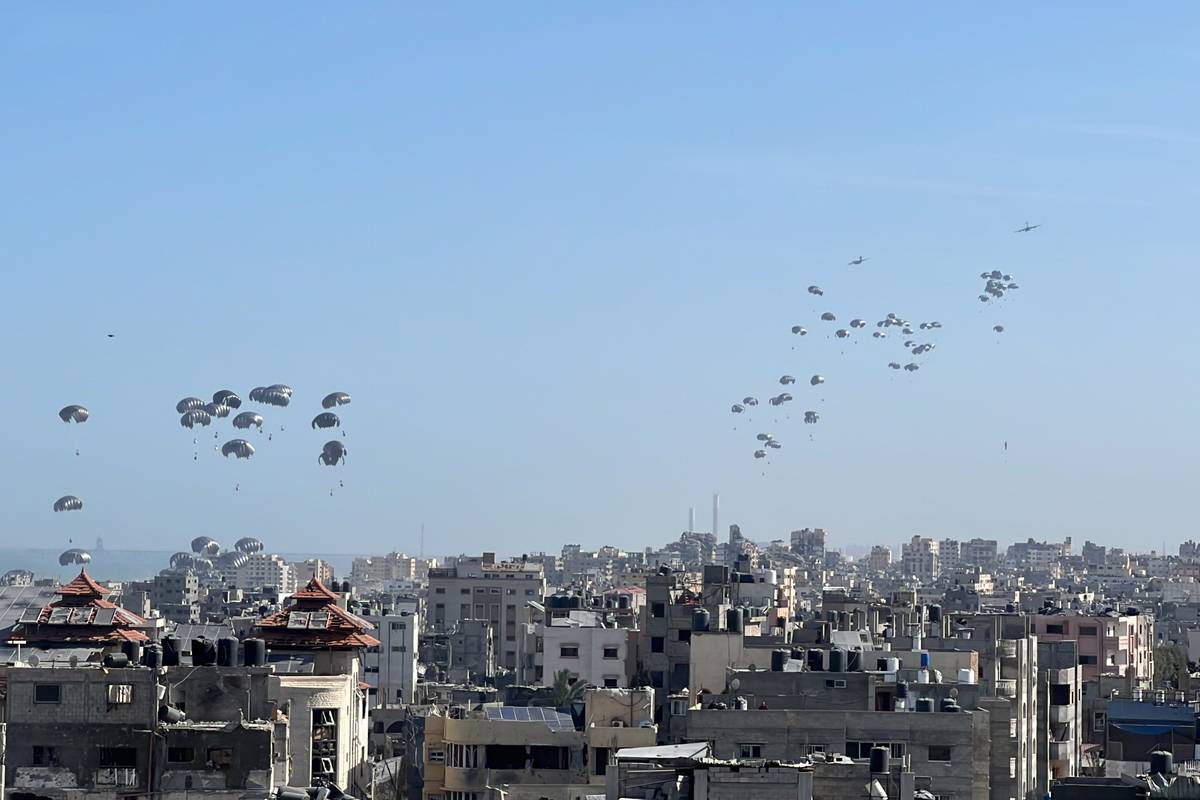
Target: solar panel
{"points": [[31, 615], [59, 616], [105, 616], [548, 716], [298, 619], [81, 616], [318, 620]]}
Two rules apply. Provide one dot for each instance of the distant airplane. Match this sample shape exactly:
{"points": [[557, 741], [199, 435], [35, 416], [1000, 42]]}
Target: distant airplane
{"points": [[1027, 228], [857, 261], [111, 335]]}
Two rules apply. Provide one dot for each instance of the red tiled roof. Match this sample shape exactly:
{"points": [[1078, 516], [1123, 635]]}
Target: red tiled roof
{"points": [[81, 593], [83, 586], [341, 630], [315, 590]]}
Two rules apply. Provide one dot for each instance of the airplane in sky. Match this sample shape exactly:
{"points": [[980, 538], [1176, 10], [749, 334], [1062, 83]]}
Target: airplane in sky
{"points": [[1027, 228], [860, 260]]}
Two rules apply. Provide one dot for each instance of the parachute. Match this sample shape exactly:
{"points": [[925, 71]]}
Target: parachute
{"points": [[333, 452], [326, 420], [74, 414], [786, 380], [248, 419], [281, 388], [841, 333], [828, 316], [858, 323], [216, 410], [248, 544], [894, 365], [797, 329], [205, 546], [998, 328], [197, 416], [74, 556], [760, 453], [189, 404], [238, 448], [737, 408], [224, 397], [817, 290], [335, 399], [764, 437], [749, 401], [912, 367], [68, 502], [811, 417], [816, 380], [879, 335], [231, 559], [774, 444]]}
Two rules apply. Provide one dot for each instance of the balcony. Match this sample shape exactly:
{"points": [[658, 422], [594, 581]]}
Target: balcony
{"points": [[1007, 648], [1062, 715], [1006, 687], [116, 776], [1061, 751]]}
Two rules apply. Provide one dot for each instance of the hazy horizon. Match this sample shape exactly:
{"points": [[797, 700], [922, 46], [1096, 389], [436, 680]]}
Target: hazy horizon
{"points": [[546, 247]]}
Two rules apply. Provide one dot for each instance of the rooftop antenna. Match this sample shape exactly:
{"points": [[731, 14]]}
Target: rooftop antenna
{"points": [[691, 519]]}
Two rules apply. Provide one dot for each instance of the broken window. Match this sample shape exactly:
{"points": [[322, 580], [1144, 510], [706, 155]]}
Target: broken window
{"points": [[45, 755], [118, 756], [546, 757], [181, 755], [47, 693], [505, 756]]}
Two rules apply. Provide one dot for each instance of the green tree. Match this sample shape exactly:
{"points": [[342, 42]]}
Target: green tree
{"points": [[1170, 666], [563, 693]]}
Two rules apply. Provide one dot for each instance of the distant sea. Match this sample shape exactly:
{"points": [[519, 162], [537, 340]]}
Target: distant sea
{"points": [[124, 565]]}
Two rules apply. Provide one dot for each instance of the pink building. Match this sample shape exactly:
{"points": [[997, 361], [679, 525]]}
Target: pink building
{"points": [[1109, 644]]}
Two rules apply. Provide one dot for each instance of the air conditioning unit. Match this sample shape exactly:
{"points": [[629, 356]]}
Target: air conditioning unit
{"points": [[618, 723]]}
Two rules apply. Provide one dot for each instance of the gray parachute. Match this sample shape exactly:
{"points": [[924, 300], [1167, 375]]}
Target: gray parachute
{"points": [[68, 502], [189, 404], [74, 556], [998, 328], [841, 333], [787, 380], [224, 397], [332, 453], [197, 416], [828, 316], [248, 419], [817, 290], [239, 448], [334, 399], [760, 453], [326, 420], [217, 410], [811, 417], [74, 413], [815, 380], [248, 544], [231, 560], [205, 546], [749, 401], [799, 330], [737, 408]]}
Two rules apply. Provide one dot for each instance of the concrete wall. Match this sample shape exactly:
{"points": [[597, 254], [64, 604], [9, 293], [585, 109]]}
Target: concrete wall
{"points": [[590, 664]]}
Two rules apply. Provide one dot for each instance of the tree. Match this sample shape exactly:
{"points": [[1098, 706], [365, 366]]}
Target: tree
{"points": [[564, 692], [1170, 666]]}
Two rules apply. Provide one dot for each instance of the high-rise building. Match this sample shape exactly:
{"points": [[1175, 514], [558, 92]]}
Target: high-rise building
{"points": [[880, 558], [920, 558], [949, 555], [809, 544], [978, 553], [265, 571]]}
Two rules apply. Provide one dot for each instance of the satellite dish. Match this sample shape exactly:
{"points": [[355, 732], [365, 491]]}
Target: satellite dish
{"points": [[33, 660], [73, 661], [735, 684]]}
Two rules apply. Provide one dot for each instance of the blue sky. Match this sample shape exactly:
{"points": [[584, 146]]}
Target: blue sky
{"points": [[545, 247]]}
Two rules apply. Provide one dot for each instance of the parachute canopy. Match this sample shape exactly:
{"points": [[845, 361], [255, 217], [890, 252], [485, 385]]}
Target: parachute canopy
{"points": [[817, 290], [248, 544], [197, 416], [225, 397], [216, 410], [239, 448], [798, 329], [326, 419], [205, 546], [73, 414], [828, 316], [335, 399], [74, 556], [737, 408], [68, 502], [787, 379], [189, 404], [816, 380], [333, 452], [248, 419]]}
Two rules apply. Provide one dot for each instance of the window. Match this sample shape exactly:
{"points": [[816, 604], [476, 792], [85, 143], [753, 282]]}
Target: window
{"points": [[1087, 630], [1110, 631], [657, 644], [440, 590], [1012, 768], [658, 610], [220, 757], [610, 683], [399, 648], [118, 756], [45, 755], [462, 756], [814, 748], [374, 669], [1100, 722], [1055, 629], [1012, 728], [1060, 695], [506, 756], [750, 750], [495, 590], [181, 755], [939, 752], [47, 693], [657, 679], [437, 756], [120, 693], [397, 626], [510, 591], [1111, 660], [1087, 660], [548, 757], [863, 749], [610, 652], [568, 651], [464, 591], [685, 635], [835, 683], [529, 592], [600, 760]]}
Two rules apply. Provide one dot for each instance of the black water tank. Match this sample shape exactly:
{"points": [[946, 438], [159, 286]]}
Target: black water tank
{"points": [[798, 653], [132, 651], [700, 619], [935, 615], [947, 703], [843, 621], [346, 587], [779, 658], [881, 760], [170, 714], [204, 652], [152, 656], [837, 660], [256, 653], [227, 651], [854, 661], [901, 691], [733, 620], [171, 648], [116, 660], [1162, 762], [925, 704], [816, 660]]}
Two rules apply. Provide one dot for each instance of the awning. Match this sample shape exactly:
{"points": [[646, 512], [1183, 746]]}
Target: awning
{"points": [[1145, 729]]}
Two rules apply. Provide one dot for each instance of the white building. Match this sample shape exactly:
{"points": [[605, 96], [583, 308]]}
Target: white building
{"points": [[880, 558], [265, 571], [920, 557], [390, 669], [596, 655]]}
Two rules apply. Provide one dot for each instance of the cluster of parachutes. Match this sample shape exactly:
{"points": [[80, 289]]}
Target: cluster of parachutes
{"points": [[73, 414], [207, 555], [995, 285]]}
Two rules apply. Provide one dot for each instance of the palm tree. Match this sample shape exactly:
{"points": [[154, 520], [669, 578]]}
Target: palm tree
{"points": [[564, 692]]}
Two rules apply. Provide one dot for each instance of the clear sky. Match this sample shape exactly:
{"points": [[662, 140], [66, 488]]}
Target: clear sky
{"points": [[545, 247]]}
